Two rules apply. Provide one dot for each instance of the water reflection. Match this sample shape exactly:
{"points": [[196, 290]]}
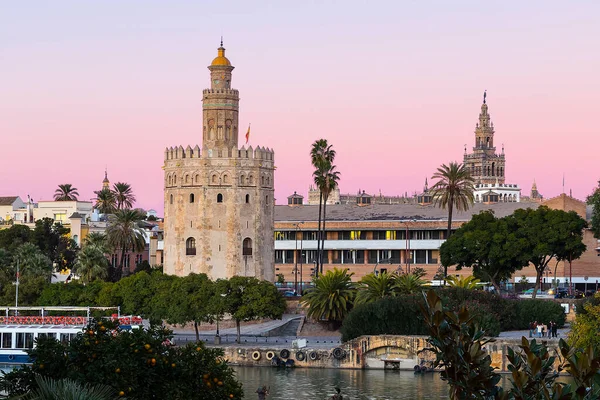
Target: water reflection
{"points": [[318, 384]]}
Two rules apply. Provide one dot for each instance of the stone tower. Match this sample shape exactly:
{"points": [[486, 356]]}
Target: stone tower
{"points": [[219, 203], [485, 165]]}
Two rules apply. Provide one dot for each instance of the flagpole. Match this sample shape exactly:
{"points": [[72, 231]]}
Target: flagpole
{"points": [[17, 290]]}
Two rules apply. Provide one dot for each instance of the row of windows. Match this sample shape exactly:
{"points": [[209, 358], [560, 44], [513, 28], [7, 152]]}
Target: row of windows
{"points": [[192, 198], [190, 247], [215, 179], [364, 235], [24, 340], [359, 256]]}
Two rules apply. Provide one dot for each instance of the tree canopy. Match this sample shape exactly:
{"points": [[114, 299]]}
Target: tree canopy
{"points": [[487, 245]]}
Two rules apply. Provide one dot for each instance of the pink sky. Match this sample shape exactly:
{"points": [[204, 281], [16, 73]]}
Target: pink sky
{"points": [[396, 87]]}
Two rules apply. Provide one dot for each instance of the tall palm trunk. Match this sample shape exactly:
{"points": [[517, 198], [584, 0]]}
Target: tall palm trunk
{"points": [[319, 235], [119, 271], [323, 235], [449, 230]]}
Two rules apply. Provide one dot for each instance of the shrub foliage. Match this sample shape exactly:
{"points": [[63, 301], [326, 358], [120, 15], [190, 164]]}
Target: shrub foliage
{"points": [[137, 364]]}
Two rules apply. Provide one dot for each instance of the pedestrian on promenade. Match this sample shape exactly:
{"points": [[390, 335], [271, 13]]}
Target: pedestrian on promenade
{"points": [[531, 328], [554, 330], [539, 329]]}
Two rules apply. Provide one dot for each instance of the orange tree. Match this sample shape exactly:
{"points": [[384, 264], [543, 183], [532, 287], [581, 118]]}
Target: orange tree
{"points": [[137, 364]]}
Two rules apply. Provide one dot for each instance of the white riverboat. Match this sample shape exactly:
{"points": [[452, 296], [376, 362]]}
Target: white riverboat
{"points": [[20, 327]]}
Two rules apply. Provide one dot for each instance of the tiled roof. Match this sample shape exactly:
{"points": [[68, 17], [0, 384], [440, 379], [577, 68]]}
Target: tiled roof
{"points": [[8, 200], [386, 212]]}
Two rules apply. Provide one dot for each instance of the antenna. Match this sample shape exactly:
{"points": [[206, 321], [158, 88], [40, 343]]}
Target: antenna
{"points": [[221, 40]]}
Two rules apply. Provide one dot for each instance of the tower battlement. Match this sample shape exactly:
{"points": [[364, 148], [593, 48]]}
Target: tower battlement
{"points": [[233, 92], [259, 153]]}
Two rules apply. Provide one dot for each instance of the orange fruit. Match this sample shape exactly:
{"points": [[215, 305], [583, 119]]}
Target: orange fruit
{"points": [[121, 393], [173, 365], [147, 346], [118, 370]]}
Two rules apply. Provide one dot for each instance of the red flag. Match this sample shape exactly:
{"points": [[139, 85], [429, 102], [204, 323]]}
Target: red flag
{"points": [[248, 134]]}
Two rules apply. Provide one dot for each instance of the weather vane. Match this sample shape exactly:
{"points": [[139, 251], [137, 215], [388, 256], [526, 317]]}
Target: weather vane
{"points": [[484, 92]]}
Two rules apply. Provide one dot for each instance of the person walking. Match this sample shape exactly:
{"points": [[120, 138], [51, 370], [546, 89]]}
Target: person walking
{"points": [[554, 330], [531, 328], [539, 329]]}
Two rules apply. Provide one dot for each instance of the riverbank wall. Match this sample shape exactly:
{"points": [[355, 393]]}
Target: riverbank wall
{"points": [[365, 352]]}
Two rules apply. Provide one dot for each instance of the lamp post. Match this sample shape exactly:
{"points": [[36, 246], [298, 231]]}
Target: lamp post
{"points": [[380, 261], [17, 288], [296, 262]]}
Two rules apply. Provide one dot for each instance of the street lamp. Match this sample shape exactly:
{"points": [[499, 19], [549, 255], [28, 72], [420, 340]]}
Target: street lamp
{"points": [[408, 246], [296, 259], [380, 261]]}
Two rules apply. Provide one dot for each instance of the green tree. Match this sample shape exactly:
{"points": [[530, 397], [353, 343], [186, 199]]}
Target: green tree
{"points": [[487, 245], [14, 236], [547, 234], [594, 200], [124, 196], [189, 300], [136, 364], [332, 297], [91, 264], [248, 298], [96, 239], [143, 294], [53, 239], [33, 262], [66, 192], [452, 191], [584, 330], [409, 284], [125, 234], [326, 179], [106, 202], [374, 287]]}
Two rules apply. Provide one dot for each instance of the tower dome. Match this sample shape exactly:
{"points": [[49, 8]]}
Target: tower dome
{"points": [[221, 59]]}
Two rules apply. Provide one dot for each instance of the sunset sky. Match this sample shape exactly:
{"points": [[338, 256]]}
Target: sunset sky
{"points": [[395, 86]]}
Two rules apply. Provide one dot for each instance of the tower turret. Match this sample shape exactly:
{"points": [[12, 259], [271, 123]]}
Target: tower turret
{"points": [[105, 182], [220, 105]]}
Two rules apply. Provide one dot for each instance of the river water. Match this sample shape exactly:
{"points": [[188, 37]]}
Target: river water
{"points": [[319, 384]]}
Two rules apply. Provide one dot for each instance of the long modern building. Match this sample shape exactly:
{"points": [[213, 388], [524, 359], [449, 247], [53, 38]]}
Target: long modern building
{"points": [[364, 237]]}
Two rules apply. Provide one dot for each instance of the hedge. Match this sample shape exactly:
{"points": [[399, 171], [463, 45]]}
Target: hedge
{"points": [[401, 315]]}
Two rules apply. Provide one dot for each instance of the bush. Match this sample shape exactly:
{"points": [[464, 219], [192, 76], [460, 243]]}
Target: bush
{"points": [[138, 364], [529, 310], [492, 312], [391, 315]]}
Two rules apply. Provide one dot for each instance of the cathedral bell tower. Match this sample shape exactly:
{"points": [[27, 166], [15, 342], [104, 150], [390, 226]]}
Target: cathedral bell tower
{"points": [[485, 166], [220, 106]]}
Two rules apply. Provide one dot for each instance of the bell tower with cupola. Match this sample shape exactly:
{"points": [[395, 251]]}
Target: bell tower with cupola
{"points": [[220, 106], [485, 165]]}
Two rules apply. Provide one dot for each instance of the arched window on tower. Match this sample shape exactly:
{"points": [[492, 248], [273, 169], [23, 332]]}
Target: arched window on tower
{"points": [[191, 197], [171, 200], [493, 168], [219, 198], [213, 179], [247, 247], [190, 247], [242, 179], [247, 198]]}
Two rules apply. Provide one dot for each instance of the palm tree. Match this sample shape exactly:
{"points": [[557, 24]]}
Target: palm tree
{"points": [[409, 284], [123, 195], [91, 263], [464, 282], [124, 234], [106, 201], [374, 287], [453, 190], [66, 192], [32, 261], [96, 239], [332, 297], [51, 389], [326, 179]]}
